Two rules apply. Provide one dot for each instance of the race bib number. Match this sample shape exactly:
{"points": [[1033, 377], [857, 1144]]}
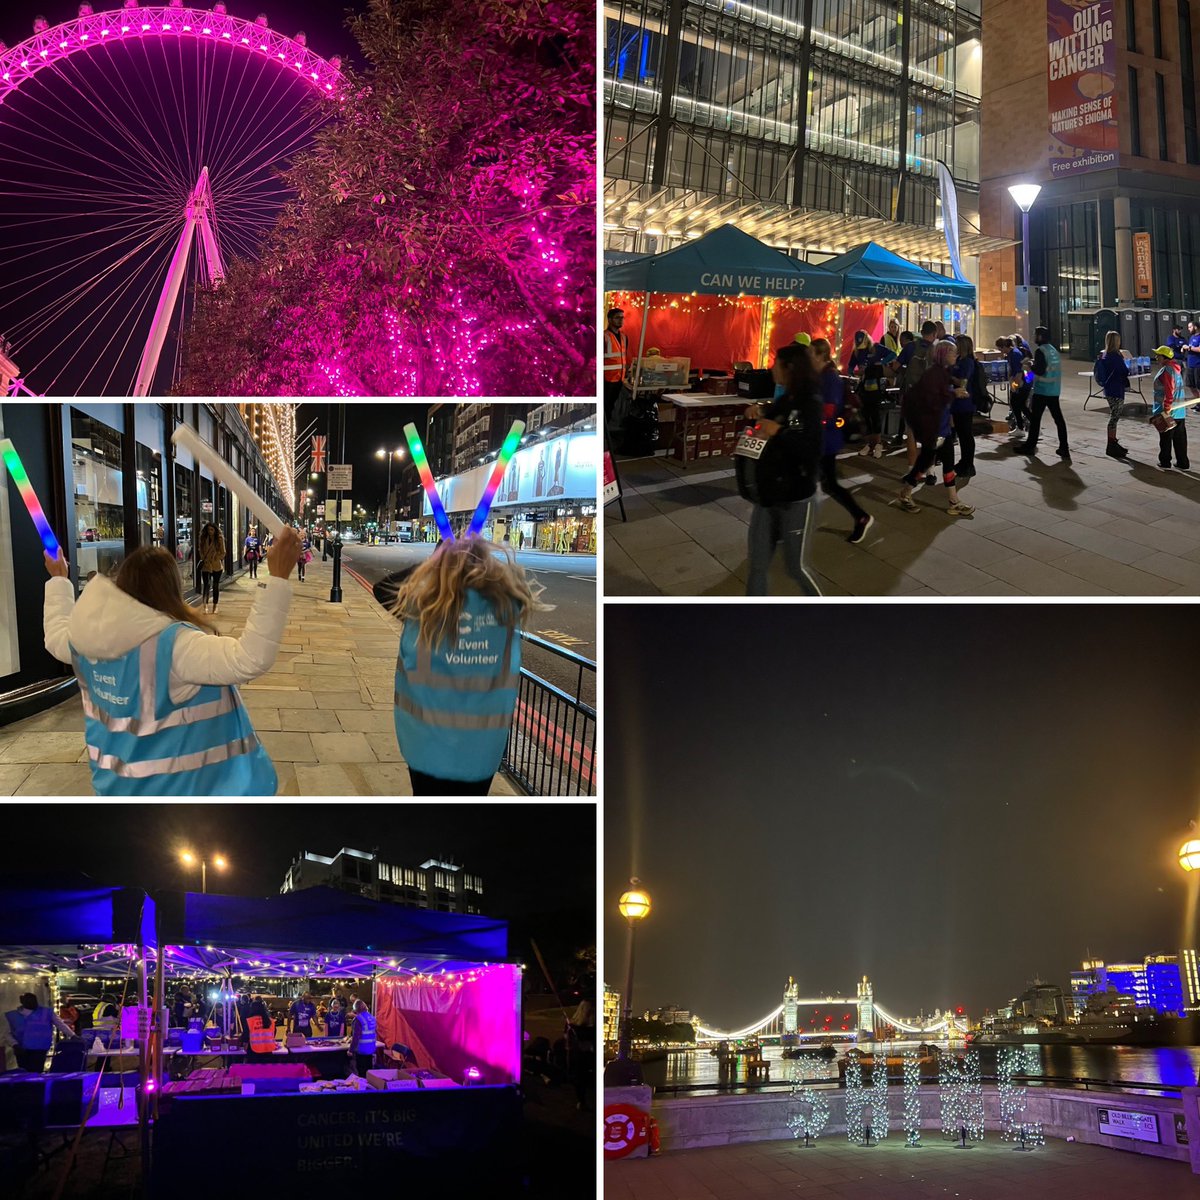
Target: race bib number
{"points": [[749, 446]]}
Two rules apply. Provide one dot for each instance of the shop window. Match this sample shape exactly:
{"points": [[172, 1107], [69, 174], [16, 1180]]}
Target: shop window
{"points": [[99, 508], [184, 514], [151, 530]]}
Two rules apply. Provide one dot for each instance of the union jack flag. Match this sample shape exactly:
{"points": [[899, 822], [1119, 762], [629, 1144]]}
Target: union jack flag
{"points": [[318, 454]]}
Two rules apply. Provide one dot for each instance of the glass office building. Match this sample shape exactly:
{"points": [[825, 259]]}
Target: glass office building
{"points": [[820, 119]]}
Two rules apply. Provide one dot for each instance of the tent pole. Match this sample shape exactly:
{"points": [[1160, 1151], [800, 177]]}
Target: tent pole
{"points": [[637, 380], [837, 344]]}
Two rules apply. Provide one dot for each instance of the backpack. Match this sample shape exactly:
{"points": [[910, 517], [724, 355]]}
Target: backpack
{"points": [[978, 389], [916, 364], [1102, 371], [783, 472]]}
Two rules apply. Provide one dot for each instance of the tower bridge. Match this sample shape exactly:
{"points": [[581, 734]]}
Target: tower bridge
{"points": [[858, 1017]]}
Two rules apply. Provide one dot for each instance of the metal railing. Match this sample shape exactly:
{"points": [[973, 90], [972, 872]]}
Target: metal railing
{"points": [[551, 748]]}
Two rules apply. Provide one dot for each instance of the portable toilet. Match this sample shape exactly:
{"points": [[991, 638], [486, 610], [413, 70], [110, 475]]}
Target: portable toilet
{"points": [[1127, 326], [1166, 322], [1147, 327]]}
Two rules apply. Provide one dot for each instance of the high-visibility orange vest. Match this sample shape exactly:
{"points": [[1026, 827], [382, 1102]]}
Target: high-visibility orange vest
{"points": [[616, 349], [262, 1037]]}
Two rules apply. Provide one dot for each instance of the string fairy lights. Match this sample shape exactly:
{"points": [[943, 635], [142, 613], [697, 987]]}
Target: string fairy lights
{"points": [[912, 1098], [960, 1088], [878, 1097], [856, 1103], [1013, 1061], [808, 1111]]}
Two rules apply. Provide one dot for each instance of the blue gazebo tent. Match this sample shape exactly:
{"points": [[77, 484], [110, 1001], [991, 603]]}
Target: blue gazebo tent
{"points": [[872, 273], [722, 263]]}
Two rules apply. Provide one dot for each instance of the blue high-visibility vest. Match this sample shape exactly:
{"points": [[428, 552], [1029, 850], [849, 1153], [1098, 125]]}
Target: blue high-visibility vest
{"points": [[37, 1031], [363, 1036], [454, 703], [1049, 384], [141, 743]]}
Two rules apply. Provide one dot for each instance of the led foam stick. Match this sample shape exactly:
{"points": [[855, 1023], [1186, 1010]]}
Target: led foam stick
{"points": [[422, 465], [187, 437], [493, 484], [16, 469]]}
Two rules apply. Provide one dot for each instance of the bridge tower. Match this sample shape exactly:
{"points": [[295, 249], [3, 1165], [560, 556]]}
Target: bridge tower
{"points": [[866, 1008], [791, 994]]}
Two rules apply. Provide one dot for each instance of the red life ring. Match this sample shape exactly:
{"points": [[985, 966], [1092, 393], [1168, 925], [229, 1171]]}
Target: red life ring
{"points": [[625, 1129]]}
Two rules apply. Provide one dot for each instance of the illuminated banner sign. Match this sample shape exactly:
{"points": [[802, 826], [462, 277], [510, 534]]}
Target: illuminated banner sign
{"points": [[1143, 267], [1081, 65], [563, 467]]}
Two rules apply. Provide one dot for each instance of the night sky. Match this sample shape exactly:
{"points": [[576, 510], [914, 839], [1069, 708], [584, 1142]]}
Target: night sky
{"points": [[537, 861], [950, 800], [370, 426]]}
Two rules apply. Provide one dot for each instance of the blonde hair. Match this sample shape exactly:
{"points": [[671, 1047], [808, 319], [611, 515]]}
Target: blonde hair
{"points": [[1112, 341], [943, 353], [150, 576], [434, 594]]}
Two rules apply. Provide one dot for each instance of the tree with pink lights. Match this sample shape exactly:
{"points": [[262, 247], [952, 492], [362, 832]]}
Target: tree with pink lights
{"points": [[441, 240]]}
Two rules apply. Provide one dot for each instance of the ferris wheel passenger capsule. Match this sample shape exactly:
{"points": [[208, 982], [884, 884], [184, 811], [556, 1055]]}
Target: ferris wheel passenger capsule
{"points": [[261, 19], [131, 3], [40, 25], [85, 10], [301, 39], [219, 9]]}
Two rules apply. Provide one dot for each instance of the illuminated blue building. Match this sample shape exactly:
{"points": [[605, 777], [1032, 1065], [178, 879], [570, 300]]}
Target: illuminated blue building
{"points": [[1155, 983]]}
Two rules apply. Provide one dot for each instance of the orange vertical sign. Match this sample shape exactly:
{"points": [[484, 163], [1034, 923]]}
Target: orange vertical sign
{"points": [[1143, 271]]}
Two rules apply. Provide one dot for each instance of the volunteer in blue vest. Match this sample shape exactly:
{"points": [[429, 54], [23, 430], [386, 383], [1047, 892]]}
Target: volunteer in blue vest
{"points": [[1168, 397], [1112, 374], [1176, 342], [162, 712], [362, 1038], [1047, 390], [33, 1027], [1191, 376], [459, 663]]}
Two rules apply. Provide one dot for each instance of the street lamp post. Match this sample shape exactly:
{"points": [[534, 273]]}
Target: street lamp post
{"points": [[1024, 194], [389, 455], [634, 906], [190, 860]]}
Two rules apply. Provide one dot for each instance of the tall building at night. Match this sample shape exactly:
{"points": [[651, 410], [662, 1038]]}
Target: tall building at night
{"points": [[612, 1013], [272, 424], [1106, 123], [814, 125], [441, 886], [1157, 982]]}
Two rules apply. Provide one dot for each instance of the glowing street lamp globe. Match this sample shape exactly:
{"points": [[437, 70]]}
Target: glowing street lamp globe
{"points": [[1024, 194], [1189, 855], [635, 903]]}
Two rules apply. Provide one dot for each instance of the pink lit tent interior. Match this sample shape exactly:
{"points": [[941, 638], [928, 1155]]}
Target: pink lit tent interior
{"points": [[727, 297]]}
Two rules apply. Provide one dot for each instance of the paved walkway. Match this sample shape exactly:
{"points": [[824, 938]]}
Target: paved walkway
{"points": [[835, 1170], [1042, 527], [324, 712]]}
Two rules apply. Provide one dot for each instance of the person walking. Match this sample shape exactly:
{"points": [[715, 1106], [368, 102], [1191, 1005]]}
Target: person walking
{"points": [[910, 376], [211, 550], [927, 411], [1168, 398], [970, 397], [458, 664], [1047, 389], [833, 402], [305, 556], [1112, 374], [778, 465], [870, 362], [362, 1038], [162, 713], [616, 359], [252, 551], [32, 1026]]}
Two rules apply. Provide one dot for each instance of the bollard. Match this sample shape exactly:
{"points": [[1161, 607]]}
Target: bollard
{"points": [[335, 592]]}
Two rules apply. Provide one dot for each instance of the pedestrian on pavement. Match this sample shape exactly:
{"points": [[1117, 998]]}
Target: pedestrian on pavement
{"points": [[252, 551], [833, 401], [362, 1038], [1168, 398], [1112, 374], [459, 663], [211, 550], [870, 362], [778, 466], [927, 411], [163, 714], [305, 556], [1047, 389], [616, 359], [914, 368], [33, 1026], [1020, 383], [969, 399]]}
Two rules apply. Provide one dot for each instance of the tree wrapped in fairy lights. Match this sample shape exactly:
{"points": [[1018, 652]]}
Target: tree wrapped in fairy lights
{"points": [[808, 1111], [1013, 1061], [441, 239]]}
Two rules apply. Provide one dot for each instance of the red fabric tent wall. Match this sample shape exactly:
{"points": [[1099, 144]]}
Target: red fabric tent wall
{"points": [[860, 315], [713, 331], [817, 318], [474, 1020]]}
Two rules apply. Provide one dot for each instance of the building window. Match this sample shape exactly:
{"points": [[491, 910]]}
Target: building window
{"points": [[1135, 117], [99, 505], [1130, 26], [1160, 104], [1187, 80], [1156, 26]]}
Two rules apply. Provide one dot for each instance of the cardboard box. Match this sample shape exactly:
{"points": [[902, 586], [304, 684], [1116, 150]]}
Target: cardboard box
{"points": [[388, 1079]]}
